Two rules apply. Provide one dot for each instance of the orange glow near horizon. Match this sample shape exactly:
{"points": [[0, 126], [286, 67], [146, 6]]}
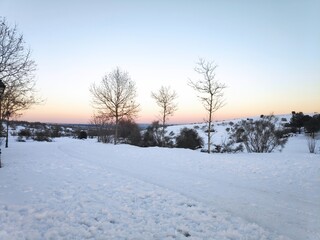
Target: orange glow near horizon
{"points": [[190, 112], [239, 104], [179, 118]]}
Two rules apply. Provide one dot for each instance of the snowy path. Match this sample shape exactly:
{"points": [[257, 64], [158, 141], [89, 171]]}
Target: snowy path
{"points": [[85, 190], [282, 203]]}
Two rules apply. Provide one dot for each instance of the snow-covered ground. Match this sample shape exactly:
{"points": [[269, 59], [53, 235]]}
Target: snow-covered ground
{"points": [[75, 189]]}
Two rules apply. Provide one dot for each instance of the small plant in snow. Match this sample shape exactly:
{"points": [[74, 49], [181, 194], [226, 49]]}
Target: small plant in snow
{"points": [[42, 136], [189, 138], [152, 135], [228, 147], [24, 133], [82, 135]]}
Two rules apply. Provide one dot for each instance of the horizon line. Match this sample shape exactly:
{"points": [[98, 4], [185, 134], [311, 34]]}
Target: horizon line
{"points": [[148, 123]]}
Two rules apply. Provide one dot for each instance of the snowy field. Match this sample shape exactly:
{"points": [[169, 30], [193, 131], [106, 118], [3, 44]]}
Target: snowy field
{"points": [[75, 189]]}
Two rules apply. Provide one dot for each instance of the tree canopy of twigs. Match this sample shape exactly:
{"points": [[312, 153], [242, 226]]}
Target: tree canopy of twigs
{"points": [[115, 97], [16, 71], [210, 91], [165, 99]]}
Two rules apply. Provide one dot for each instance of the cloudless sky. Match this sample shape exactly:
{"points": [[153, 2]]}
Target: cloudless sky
{"points": [[267, 52]]}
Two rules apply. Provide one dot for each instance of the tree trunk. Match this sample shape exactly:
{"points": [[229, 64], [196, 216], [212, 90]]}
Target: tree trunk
{"points": [[209, 128], [7, 133], [209, 133], [116, 131], [163, 126]]}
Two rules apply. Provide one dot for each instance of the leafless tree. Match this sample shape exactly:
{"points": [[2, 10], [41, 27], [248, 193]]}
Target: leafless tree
{"points": [[16, 71], [103, 128], [115, 97], [210, 91], [165, 99]]}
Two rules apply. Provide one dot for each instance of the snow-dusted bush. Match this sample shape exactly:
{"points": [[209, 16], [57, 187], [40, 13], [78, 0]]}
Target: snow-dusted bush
{"points": [[261, 135], [42, 136], [82, 135], [189, 138], [153, 136], [228, 147], [24, 133], [55, 131]]}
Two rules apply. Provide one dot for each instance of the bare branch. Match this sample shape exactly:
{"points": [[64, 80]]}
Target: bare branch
{"points": [[210, 91], [165, 100], [115, 97], [16, 71]]}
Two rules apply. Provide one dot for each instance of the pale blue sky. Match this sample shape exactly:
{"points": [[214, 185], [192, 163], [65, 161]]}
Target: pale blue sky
{"points": [[268, 53]]}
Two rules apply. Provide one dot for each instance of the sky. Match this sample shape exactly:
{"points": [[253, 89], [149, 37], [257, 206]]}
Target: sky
{"points": [[267, 52]]}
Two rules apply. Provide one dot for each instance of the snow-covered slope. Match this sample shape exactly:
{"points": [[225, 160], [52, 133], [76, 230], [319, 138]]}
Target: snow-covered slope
{"points": [[73, 189], [220, 134]]}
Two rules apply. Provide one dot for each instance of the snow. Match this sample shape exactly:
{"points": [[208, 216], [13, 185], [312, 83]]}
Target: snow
{"points": [[81, 189]]}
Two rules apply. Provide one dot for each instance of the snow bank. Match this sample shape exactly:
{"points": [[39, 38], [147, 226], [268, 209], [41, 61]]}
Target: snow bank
{"points": [[75, 189]]}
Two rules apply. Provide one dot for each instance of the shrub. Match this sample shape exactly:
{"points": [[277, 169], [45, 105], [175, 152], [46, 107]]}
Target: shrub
{"points": [[312, 126], [24, 133], [189, 138], [261, 135], [228, 147], [56, 131], [135, 137], [82, 135], [129, 132], [152, 136], [298, 120], [42, 136]]}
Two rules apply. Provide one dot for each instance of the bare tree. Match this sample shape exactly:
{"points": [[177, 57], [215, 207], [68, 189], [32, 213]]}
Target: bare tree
{"points": [[210, 91], [165, 98], [103, 128], [16, 71], [115, 97]]}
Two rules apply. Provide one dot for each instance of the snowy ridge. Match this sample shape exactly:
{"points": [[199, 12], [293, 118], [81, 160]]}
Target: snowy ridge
{"points": [[220, 134]]}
